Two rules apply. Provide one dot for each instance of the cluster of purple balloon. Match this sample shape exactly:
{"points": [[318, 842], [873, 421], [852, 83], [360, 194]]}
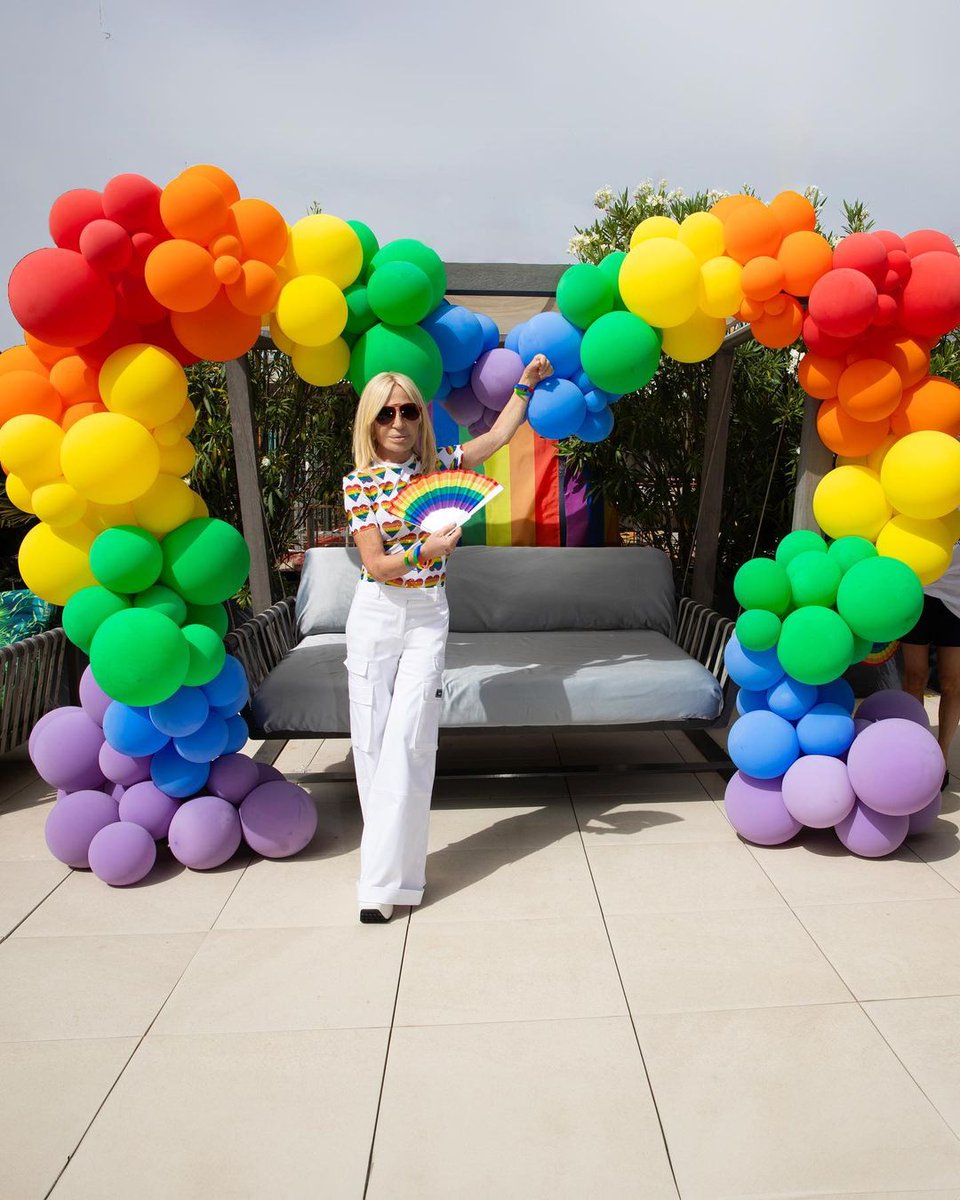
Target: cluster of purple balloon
{"points": [[113, 807], [885, 786], [464, 337]]}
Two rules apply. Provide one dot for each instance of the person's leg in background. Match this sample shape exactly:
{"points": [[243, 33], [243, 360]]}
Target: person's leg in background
{"points": [[916, 669], [948, 669]]}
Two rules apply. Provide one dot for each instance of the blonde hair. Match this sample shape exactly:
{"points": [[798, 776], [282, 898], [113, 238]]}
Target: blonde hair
{"points": [[376, 395]]}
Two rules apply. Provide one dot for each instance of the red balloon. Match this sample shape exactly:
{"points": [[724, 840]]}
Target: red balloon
{"points": [[161, 334], [70, 213], [899, 261], [57, 296], [122, 332], [862, 252], [922, 241], [843, 302], [818, 342], [134, 202], [106, 246], [892, 241], [143, 243], [930, 304], [135, 302], [886, 310]]}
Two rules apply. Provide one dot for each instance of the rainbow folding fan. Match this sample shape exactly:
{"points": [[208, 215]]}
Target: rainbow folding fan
{"points": [[443, 498]]}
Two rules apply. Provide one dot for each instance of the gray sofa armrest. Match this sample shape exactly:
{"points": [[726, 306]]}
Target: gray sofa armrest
{"points": [[704, 634], [262, 641], [31, 681]]}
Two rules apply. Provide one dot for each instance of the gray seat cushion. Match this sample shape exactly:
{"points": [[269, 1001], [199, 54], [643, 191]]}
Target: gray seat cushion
{"points": [[509, 680]]}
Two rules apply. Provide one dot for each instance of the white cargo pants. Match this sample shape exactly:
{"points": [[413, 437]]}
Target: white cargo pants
{"points": [[396, 640]]}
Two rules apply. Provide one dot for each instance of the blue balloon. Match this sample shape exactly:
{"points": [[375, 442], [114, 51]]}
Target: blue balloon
{"points": [[763, 745], [458, 334], [491, 332], [229, 689], [826, 729], [237, 734], [459, 379], [512, 340], [206, 743], [596, 426], [444, 389], [182, 713], [790, 698], [597, 401], [583, 382], [551, 334], [750, 701], [174, 775], [130, 731], [838, 692], [757, 670], [556, 409]]}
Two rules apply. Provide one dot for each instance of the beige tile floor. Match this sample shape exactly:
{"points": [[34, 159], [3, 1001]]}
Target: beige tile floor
{"points": [[606, 993]]}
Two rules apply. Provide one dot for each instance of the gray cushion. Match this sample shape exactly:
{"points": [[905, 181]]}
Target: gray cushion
{"points": [[509, 680]]}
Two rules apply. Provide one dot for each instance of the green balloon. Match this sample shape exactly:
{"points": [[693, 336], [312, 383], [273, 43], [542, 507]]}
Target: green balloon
{"points": [[411, 251], [205, 560], [126, 558], [584, 294], [762, 583], [368, 241], [814, 579], [797, 542], [847, 551], [360, 316], [815, 645], [86, 611], [409, 350], [620, 353], [207, 654], [861, 648], [758, 629], [139, 657], [163, 600], [400, 293], [610, 266], [880, 599], [214, 615]]}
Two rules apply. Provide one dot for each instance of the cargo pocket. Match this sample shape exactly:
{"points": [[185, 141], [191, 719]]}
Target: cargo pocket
{"points": [[361, 703], [428, 718]]}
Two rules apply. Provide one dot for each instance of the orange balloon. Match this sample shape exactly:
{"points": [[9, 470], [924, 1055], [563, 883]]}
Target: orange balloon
{"points": [[261, 229], [225, 243], [762, 278], [804, 256], [181, 276], [218, 176], [46, 353], [870, 390], [193, 207], [227, 268], [218, 332], [27, 392], [845, 435], [819, 376], [730, 204], [257, 290], [76, 412], [933, 404], [911, 360], [750, 231], [751, 310], [75, 381], [776, 305], [776, 332], [21, 358], [794, 213]]}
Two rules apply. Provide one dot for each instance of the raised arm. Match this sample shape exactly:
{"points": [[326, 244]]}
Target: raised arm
{"points": [[511, 418], [383, 566]]}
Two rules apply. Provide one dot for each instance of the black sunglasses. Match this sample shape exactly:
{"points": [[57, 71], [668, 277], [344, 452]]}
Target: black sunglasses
{"points": [[409, 412]]}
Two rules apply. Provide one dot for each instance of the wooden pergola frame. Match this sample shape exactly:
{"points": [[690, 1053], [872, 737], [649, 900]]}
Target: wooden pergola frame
{"points": [[539, 280]]}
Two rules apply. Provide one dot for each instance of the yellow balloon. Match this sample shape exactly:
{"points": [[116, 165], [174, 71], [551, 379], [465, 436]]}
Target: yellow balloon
{"points": [[850, 500], [925, 546], [654, 227], [109, 458], [167, 505], [322, 365], [170, 432], [143, 382], [845, 460], [19, 494], [55, 563], [659, 281], [696, 339], [311, 310], [702, 233], [58, 503], [199, 507], [875, 457], [951, 523], [280, 339], [177, 459], [322, 244], [720, 293], [106, 516], [30, 447], [921, 474]]}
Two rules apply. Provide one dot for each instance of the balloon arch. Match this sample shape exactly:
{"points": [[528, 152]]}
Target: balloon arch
{"points": [[94, 436]]}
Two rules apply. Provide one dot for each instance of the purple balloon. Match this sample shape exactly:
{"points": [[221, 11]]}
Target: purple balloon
{"points": [[756, 810], [495, 376], [121, 768], [871, 834], [144, 804], [73, 822], [895, 766], [267, 773], [278, 819], [463, 406], [926, 818], [93, 699], [66, 750], [817, 791], [232, 777], [883, 705], [205, 832], [40, 725], [122, 854], [117, 791]]}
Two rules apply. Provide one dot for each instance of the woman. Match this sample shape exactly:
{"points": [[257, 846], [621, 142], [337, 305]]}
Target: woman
{"points": [[397, 628]]}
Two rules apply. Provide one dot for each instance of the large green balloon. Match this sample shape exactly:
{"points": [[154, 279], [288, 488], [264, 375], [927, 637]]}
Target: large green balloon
{"points": [[797, 542], [368, 242], [126, 558], [86, 611], [847, 551], [814, 579], [207, 653], [205, 560], [360, 316], [410, 351], [163, 600], [400, 293], [620, 352], [411, 251], [583, 294], [762, 583], [139, 657], [815, 645], [880, 598], [610, 266], [213, 615], [758, 629]]}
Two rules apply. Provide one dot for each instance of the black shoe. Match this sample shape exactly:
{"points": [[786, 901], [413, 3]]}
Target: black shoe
{"points": [[376, 916]]}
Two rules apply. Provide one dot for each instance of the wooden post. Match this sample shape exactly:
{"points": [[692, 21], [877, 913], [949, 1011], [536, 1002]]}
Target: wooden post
{"points": [[248, 481], [814, 462], [711, 478]]}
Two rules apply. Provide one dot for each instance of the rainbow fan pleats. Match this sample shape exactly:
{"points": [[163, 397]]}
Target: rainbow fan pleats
{"points": [[443, 498]]}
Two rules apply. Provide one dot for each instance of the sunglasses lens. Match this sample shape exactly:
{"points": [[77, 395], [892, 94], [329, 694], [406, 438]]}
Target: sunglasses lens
{"points": [[409, 412], [384, 416]]}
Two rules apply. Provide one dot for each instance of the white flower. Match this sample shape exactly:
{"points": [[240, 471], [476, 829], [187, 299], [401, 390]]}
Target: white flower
{"points": [[603, 198], [264, 462]]}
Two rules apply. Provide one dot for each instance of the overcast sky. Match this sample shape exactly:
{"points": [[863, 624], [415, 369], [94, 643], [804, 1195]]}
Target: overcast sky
{"points": [[483, 128]]}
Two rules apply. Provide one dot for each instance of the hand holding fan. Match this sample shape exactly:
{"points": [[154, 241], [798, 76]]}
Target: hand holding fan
{"points": [[443, 498]]}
